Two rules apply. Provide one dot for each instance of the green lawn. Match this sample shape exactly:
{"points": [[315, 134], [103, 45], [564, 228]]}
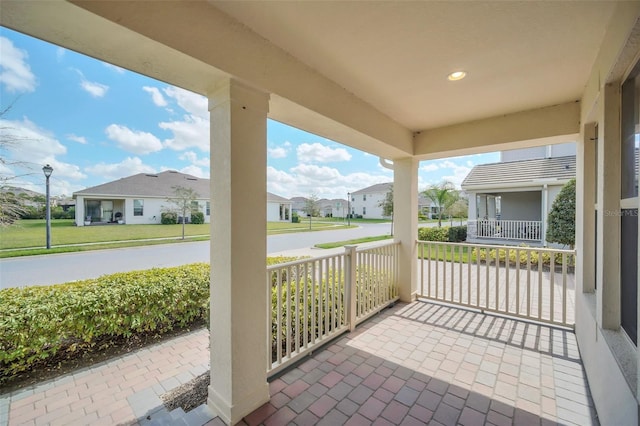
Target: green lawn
{"points": [[355, 241], [445, 252], [32, 233]]}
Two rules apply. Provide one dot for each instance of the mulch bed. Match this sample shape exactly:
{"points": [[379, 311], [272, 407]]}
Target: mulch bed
{"points": [[188, 396]]}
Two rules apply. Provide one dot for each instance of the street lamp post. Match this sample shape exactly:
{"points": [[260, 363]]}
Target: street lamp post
{"points": [[47, 170], [349, 208]]}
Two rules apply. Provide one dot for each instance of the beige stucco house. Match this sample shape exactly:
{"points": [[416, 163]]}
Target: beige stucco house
{"points": [[386, 78]]}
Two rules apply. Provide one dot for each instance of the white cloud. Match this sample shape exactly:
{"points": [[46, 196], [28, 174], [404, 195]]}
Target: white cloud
{"points": [[191, 102], [193, 130], [127, 167], [459, 172], [96, 90], [31, 147], [318, 153], [429, 168], [195, 171], [156, 96], [75, 138], [114, 68], [133, 141], [16, 74], [277, 152], [60, 52], [192, 157]]}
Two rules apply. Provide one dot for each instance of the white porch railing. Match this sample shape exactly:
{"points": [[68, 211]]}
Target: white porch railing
{"points": [[532, 283], [524, 230], [315, 300]]}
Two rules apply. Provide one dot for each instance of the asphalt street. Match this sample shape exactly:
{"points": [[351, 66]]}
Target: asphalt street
{"points": [[58, 268]]}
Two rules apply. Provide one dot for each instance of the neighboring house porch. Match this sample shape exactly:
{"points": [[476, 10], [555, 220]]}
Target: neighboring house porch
{"points": [[509, 201]]}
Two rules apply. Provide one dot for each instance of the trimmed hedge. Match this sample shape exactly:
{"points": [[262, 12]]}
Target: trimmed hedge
{"points": [[168, 218], [453, 234], [39, 322], [197, 218]]}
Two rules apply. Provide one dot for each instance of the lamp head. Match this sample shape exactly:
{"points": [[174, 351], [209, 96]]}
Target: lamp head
{"points": [[47, 170]]}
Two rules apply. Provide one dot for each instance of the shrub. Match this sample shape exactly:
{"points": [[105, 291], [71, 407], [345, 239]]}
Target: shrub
{"points": [[39, 322], [168, 218], [562, 217], [197, 218], [440, 234], [295, 218], [457, 234]]}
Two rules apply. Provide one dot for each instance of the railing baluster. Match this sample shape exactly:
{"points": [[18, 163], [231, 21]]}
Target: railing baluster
{"points": [[517, 281], [450, 249], [507, 273], [528, 282], [497, 278], [487, 280], [278, 315], [565, 258], [429, 270], [539, 285], [478, 256], [552, 276]]}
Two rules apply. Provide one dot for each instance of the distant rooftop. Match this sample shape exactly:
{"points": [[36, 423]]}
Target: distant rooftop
{"points": [[523, 171]]}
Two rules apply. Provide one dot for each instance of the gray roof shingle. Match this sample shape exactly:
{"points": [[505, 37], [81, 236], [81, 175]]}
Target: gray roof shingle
{"points": [[524, 171], [149, 185]]}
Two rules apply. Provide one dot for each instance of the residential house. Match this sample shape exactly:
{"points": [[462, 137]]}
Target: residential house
{"points": [[456, 78], [336, 207], [366, 202], [141, 199], [509, 201]]}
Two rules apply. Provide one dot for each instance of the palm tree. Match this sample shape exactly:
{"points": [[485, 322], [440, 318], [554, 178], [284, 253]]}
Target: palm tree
{"points": [[443, 195]]}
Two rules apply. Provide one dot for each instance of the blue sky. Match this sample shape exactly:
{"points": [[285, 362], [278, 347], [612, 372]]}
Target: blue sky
{"points": [[94, 122]]}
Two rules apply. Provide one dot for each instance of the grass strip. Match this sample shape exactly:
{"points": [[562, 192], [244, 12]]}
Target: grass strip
{"points": [[354, 241]]}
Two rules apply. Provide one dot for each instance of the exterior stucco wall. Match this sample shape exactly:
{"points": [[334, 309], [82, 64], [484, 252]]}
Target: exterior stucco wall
{"points": [[521, 206], [273, 212]]}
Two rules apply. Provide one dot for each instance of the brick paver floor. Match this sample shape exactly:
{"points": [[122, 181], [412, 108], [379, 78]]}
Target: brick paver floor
{"points": [[418, 363]]}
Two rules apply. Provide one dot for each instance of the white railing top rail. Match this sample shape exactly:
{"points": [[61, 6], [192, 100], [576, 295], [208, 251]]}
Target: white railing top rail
{"points": [[360, 249], [501, 247], [301, 261]]}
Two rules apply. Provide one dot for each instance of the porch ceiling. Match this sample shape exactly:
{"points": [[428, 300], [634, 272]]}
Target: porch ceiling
{"points": [[368, 74]]}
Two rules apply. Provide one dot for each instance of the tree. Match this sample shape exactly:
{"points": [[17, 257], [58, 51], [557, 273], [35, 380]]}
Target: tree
{"points": [[12, 207], [182, 202], [460, 208], [387, 206], [443, 195], [561, 222], [311, 207]]}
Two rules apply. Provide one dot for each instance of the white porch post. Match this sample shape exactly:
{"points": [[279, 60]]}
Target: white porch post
{"points": [[544, 198], [585, 202], [238, 251], [473, 206], [483, 212], [491, 206], [405, 208], [79, 211], [608, 249]]}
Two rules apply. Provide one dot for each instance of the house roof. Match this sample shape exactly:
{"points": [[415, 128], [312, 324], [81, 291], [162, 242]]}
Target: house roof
{"points": [[150, 185], [379, 187], [273, 198], [521, 172]]}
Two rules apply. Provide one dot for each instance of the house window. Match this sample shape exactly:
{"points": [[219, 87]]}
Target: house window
{"points": [[195, 206], [138, 207], [364, 211], [364, 197], [630, 138], [208, 208]]}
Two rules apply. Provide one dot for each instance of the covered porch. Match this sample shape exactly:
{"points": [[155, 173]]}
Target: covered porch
{"points": [[388, 95]]}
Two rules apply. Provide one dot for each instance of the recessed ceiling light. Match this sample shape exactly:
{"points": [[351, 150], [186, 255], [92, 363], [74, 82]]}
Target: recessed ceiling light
{"points": [[457, 75]]}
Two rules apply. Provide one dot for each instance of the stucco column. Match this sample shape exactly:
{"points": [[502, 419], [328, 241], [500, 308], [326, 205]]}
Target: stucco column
{"points": [[585, 203], [238, 251], [405, 213], [483, 212], [473, 206], [544, 206], [79, 211], [608, 250], [491, 206]]}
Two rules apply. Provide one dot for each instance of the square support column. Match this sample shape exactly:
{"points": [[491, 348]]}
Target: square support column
{"points": [[585, 209], [405, 213], [238, 251], [608, 249]]}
